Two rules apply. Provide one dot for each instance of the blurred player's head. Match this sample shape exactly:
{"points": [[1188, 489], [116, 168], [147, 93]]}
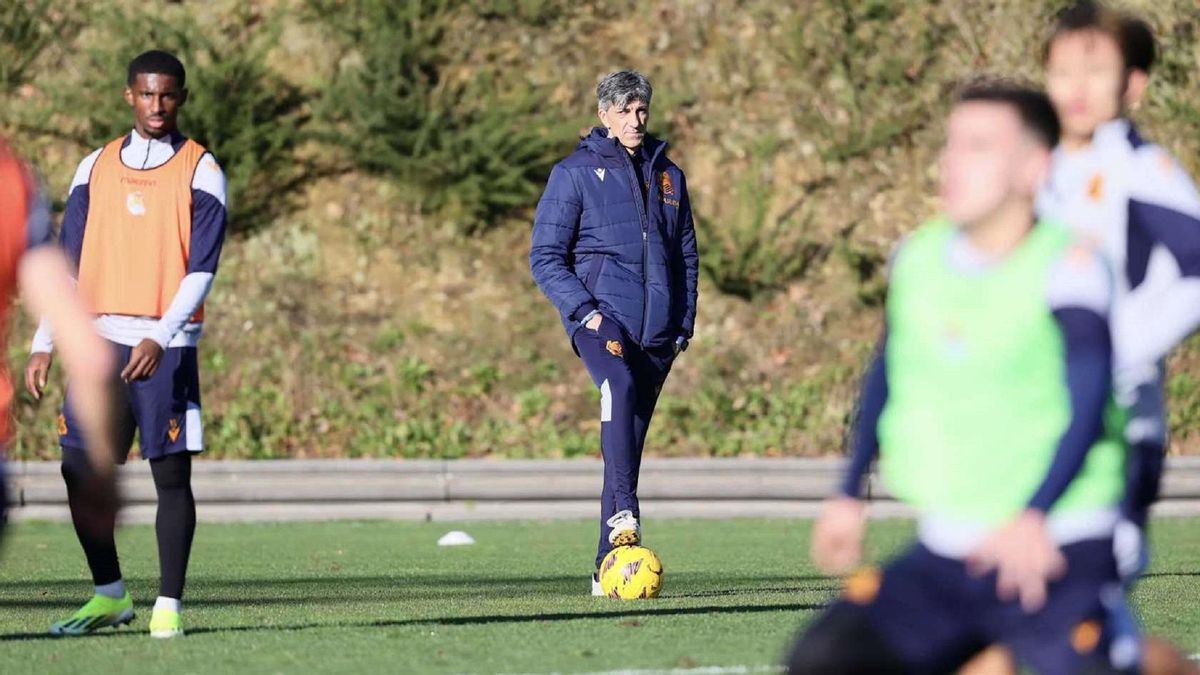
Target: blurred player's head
{"points": [[156, 88], [998, 143], [1097, 64], [623, 99]]}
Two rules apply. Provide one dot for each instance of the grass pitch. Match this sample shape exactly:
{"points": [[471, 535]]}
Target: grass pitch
{"points": [[352, 597]]}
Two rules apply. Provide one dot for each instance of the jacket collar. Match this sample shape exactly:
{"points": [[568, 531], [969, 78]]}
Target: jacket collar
{"points": [[598, 142]]}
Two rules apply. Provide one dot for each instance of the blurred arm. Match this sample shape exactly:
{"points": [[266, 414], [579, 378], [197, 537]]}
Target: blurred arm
{"points": [[45, 278], [1163, 211], [1079, 295], [71, 239], [864, 433]]}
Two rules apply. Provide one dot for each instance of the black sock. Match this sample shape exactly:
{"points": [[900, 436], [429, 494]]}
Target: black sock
{"points": [[175, 524], [93, 502]]}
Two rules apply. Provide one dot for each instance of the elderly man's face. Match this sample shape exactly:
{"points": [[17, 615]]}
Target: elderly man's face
{"points": [[627, 124]]}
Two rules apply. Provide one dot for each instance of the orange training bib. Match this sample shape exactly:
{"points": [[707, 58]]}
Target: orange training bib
{"points": [[138, 234]]}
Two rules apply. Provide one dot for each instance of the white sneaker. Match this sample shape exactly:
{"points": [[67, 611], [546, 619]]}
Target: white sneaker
{"points": [[597, 591], [625, 529]]}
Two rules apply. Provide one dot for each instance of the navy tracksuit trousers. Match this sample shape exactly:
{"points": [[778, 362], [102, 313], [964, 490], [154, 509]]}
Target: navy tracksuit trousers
{"points": [[630, 379]]}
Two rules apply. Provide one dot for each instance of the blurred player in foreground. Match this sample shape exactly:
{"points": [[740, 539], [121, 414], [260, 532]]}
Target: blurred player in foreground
{"points": [[1138, 205], [987, 406], [29, 260]]}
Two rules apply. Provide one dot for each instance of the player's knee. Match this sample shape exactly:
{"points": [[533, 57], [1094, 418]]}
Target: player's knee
{"points": [[842, 641], [92, 496], [75, 466], [173, 472]]}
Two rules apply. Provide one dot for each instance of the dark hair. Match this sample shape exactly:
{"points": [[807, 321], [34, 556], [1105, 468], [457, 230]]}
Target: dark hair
{"points": [[1133, 36], [1140, 48], [1031, 104], [156, 62]]}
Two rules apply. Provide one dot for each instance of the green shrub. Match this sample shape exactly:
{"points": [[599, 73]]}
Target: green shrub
{"points": [[745, 249], [532, 12], [871, 78], [402, 104], [251, 118], [29, 29]]}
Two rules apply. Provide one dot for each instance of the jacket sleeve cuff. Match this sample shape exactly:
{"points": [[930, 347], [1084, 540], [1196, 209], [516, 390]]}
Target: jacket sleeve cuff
{"points": [[584, 321], [584, 312]]}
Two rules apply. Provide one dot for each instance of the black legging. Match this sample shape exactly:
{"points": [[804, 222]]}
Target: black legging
{"points": [[93, 512], [175, 524]]}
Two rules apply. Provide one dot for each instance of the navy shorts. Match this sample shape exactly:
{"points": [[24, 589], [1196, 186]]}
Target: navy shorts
{"points": [[936, 616], [164, 409]]}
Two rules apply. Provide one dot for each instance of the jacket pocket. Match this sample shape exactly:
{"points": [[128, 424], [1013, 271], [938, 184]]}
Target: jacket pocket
{"points": [[593, 274]]}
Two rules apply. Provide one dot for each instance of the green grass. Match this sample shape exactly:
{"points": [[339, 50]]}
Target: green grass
{"points": [[382, 597]]}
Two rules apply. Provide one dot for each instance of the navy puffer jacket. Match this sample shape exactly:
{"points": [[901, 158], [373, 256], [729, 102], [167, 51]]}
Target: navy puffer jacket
{"points": [[597, 245]]}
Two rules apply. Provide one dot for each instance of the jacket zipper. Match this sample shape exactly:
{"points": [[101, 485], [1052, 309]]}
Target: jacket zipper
{"points": [[645, 220]]}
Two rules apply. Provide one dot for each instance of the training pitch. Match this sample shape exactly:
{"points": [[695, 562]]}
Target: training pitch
{"points": [[352, 597]]}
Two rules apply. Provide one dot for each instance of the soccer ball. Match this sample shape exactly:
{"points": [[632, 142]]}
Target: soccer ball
{"points": [[631, 573]]}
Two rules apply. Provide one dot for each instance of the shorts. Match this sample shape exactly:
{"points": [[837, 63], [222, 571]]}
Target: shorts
{"points": [[164, 409], [935, 615]]}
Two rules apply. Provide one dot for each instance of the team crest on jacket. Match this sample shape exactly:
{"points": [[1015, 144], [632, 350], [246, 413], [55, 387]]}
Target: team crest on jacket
{"points": [[668, 189], [614, 347], [135, 203]]}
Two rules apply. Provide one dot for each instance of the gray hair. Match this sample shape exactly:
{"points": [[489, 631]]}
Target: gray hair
{"points": [[621, 87]]}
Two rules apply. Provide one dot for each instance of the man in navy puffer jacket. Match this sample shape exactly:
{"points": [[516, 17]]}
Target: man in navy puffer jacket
{"points": [[614, 249]]}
